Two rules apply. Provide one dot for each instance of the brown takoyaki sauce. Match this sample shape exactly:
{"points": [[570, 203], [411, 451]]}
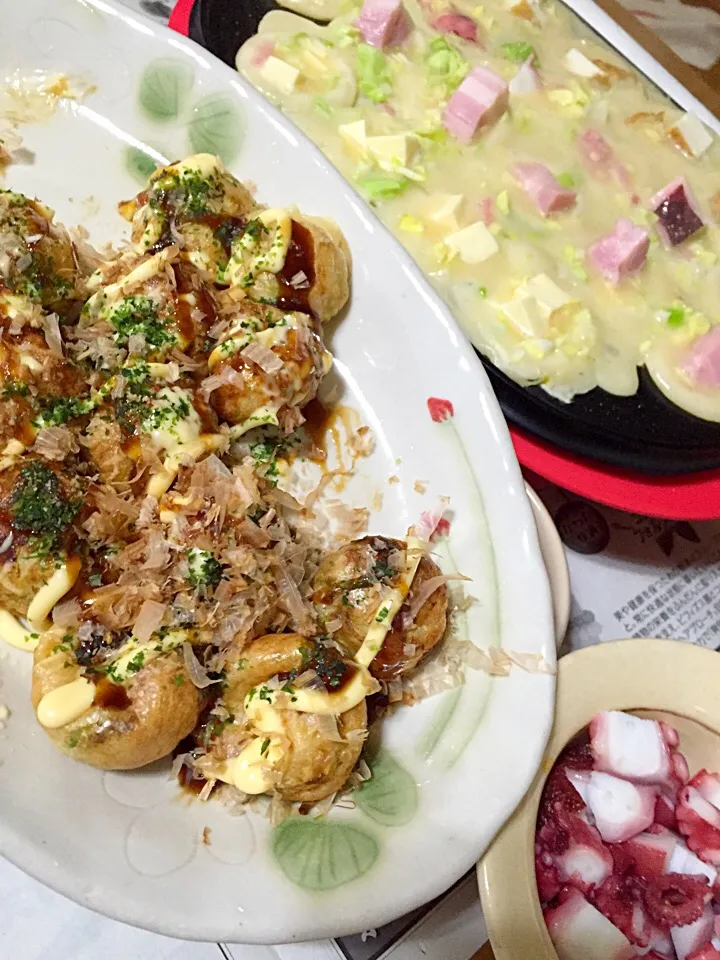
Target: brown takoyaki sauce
{"points": [[299, 260], [189, 779], [110, 695]]}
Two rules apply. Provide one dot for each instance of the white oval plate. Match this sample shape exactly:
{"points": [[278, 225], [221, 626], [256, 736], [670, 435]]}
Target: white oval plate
{"points": [[456, 765]]}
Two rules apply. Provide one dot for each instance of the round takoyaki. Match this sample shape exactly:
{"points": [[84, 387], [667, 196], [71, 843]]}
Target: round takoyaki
{"points": [[111, 701], [350, 586], [172, 423], [272, 255], [301, 719], [195, 201], [326, 251], [28, 365], [265, 375], [39, 388], [38, 261], [291, 260], [152, 305], [38, 505]]}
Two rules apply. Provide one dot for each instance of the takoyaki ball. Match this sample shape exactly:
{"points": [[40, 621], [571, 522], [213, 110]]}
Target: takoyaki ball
{"points": [[196, 201], [105, 443], [266, 376], [294, 261], [38, 505], [327, 254], [349, 586], [28, 365], [306, 765], [140, 310], [39, 388], [113, 714], [38, 260]]}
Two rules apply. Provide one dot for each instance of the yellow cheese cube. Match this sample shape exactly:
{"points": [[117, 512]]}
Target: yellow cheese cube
{"points": [[474, 244], [525, 314], [354, 135], [443, 207], [280, 74], [577, 63], [397, 149], [549, 295]]}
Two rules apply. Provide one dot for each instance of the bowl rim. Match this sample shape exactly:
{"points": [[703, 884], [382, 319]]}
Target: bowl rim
{"points": [[555, 561], [631, 674]]}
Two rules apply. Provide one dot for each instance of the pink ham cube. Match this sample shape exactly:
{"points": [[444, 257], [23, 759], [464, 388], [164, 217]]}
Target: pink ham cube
{"points": [[676, 208], [457, 24], [383, 23], [702, 365], [620, 253], [480, 99], [580, 932], [547, 194]]}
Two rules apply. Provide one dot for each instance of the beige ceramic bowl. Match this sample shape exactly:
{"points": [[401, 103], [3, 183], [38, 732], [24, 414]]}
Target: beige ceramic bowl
{"points": [[662, 679], [553, 554]]}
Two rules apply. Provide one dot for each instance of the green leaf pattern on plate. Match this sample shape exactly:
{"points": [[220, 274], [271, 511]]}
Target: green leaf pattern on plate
{"points": [[323, 854], [139, 164], [216, 127], [164, 88], [390, 797]]}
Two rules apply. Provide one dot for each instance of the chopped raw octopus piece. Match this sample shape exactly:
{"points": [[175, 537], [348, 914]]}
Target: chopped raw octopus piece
{"points": [[623, 861], [620, 809], [708, 784], [551, 838], [578, 754], [548, 881], [651, 851], [665, 812], [580, 932], [559, 791], [699, 823], [635, 749], [689, 938], [607, 830], [620, 253], [457, 24], [677, 212], [620, 899], [527, 79], [480, 99], [586, 863], [706, 952], [676, 900], [702, 365], [558, 788], [661, 942], [683, 860], [383, 23], [580, 780], [547, 194]]}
